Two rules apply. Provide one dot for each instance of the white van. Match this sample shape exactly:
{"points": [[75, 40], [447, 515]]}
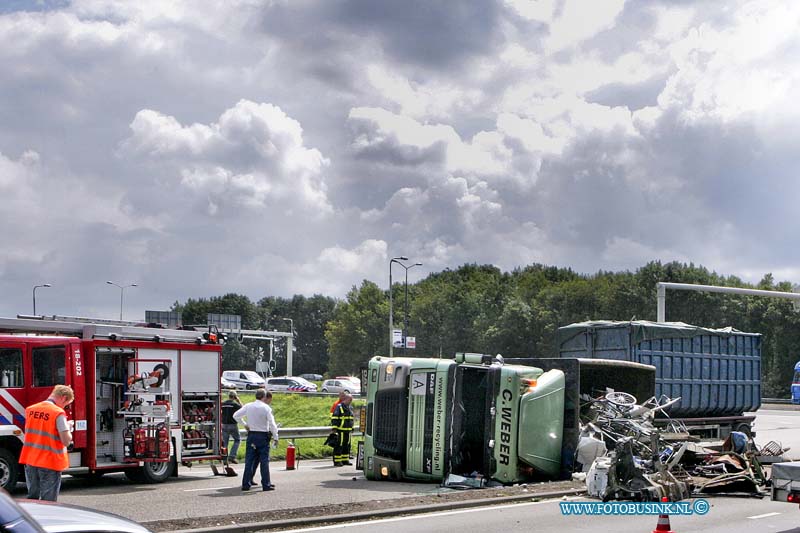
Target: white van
{"points": [[244, 379]]}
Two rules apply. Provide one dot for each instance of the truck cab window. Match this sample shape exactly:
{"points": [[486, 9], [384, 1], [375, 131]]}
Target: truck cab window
{"points": [[49, 366], [11, 368]]}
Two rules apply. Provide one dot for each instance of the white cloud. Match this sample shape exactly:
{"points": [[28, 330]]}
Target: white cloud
{"points": [[530, 133], [580, 20], [433, 99], [485, 154], [726, 73], [541, 10], [336, 268], [254, 155]]}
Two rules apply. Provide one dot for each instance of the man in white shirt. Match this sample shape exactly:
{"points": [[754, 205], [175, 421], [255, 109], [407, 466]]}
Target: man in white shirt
{"points": [[261, 429]]}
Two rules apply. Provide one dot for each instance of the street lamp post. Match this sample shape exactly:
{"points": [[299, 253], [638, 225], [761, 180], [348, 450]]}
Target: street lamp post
{"points": [[391, 318], [289, 347], [34, 295], [121, 293], [405, 318]]}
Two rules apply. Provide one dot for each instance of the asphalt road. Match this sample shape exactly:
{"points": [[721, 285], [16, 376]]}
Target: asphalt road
{"points": [[726, 515], [198, 493], [780, 425]]}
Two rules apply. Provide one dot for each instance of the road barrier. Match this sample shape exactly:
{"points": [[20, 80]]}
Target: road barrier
{"points": [[776, 400], [318, 432], [309, 394]]}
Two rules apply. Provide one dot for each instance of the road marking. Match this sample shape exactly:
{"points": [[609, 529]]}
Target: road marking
{"points": [[756, 517], [423, 515]]}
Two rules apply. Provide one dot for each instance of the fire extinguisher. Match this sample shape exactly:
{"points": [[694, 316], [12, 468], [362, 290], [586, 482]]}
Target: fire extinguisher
{"points": [[162, 441], [140, 442], [127, 443], [290, 451]]}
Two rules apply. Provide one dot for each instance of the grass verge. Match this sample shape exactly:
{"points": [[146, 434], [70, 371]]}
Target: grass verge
{"points": [[298, 410]]}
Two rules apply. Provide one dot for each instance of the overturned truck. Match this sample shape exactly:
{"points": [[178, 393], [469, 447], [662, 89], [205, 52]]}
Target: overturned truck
{"points": [[507, 421]]}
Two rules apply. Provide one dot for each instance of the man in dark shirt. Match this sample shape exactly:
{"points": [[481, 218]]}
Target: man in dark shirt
{"points": [[230, 429]]}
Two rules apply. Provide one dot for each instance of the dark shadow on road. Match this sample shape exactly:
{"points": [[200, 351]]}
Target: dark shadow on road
{"points": [[358, 481], [228, 492], [113, 483]]}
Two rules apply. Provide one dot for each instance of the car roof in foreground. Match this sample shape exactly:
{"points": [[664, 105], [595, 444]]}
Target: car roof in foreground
{"points": [[64, 518]]}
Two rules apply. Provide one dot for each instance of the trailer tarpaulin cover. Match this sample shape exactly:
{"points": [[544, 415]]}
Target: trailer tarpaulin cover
{"points": [[642, 330]]}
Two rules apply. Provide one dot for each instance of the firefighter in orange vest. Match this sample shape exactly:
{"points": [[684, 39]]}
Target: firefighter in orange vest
{"points": [[47, 436]]}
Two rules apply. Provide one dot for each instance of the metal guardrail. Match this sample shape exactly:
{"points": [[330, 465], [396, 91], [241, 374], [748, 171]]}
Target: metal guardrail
{"points": [[356, 395], [318, 432], [776, 400]]}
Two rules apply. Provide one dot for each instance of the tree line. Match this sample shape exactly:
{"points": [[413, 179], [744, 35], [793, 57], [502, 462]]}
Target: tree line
{"points": [[479, 308]]}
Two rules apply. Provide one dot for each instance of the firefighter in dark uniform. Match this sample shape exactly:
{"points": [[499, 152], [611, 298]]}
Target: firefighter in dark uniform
{"points": [[342, 424], [230, 428]]}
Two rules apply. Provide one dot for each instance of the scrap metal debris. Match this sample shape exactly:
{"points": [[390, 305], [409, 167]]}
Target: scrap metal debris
{"points": [[626, 457]]}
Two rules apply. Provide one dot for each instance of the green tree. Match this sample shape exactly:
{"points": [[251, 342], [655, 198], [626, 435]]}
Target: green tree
{"points": [[309, 317], [358, 329], [235, 355]]}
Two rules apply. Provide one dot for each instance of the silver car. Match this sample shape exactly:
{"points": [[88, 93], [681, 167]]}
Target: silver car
{"points": [[339, 385], [32, 516]]}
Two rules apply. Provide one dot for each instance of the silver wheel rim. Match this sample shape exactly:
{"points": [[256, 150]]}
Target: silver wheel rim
{"points": [[5, 473], [157, 469]]}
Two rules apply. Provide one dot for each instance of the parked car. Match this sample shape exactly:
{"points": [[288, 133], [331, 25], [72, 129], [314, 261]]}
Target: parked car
{"points": [[226, 383], [356, 382], [31, 516], [339, 385], [244, 379], [290, 384], [312, 377]]}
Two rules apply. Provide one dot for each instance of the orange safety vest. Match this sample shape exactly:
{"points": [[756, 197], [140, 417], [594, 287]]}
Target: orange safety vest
{"points": [[43, 447]]}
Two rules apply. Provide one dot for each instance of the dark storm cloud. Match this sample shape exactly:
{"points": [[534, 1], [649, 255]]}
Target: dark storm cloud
{"points": [[737, 175], [373, 146], [10, 6], [434, 33]]}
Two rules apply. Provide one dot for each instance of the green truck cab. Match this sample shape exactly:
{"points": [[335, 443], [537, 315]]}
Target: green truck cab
{"points": [[426, 418]]}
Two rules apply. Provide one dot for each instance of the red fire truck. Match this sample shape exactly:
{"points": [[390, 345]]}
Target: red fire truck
{"points": [[146, 398]]}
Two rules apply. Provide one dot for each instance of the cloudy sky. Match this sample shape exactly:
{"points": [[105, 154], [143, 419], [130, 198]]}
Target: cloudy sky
{"points": [[280, 147]]}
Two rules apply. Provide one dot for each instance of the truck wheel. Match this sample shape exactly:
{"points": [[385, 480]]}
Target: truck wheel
{"points": [[745, 428], [151, 473], [9, 469]]}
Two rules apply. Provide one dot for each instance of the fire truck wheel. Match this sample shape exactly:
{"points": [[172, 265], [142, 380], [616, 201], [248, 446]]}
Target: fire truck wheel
{"points": [[9, 469], [151, 472]]}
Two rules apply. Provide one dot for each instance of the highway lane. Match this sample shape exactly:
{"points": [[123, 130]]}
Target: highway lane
{"points": [[726, 515], [781, 426]]}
